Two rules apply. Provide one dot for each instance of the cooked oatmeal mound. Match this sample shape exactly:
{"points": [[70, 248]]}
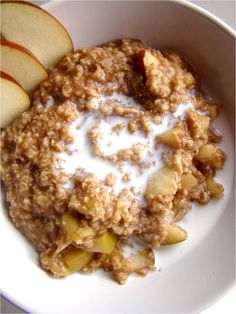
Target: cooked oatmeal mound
{"points": [[116, 147]]}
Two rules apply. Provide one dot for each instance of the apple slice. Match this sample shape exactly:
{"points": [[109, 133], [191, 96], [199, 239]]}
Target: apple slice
{"points": [[14, 99], [35, 29], [22, 66]]}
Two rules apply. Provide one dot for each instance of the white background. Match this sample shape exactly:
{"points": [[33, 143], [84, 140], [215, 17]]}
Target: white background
{"points": [[224, 9]]}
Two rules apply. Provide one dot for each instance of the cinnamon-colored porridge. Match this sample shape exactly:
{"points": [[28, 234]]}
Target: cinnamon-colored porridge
{"points": [[116, 147]]}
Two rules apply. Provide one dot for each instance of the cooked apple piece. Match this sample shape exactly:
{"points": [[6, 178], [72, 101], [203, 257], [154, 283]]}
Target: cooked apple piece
{"points": [[35, 29], [213, 110], [200, 103], [122, 267], [173, 137], [76, 259], [197, 124], [204, 121], [212, 155], [104, 244], [189, 80], [175, 235], [141, 260], [74, 228], [216, 189], [188, 181], [143, 60], [150, 67], [162, 182], [14, 99], [22, 66], [206, 152]]}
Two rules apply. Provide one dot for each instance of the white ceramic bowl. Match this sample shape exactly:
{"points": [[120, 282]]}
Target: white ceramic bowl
{"points": [[193, 274]]}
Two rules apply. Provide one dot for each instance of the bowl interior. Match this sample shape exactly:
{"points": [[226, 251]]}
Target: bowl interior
{"points": [[201, 270], [163, 25]]}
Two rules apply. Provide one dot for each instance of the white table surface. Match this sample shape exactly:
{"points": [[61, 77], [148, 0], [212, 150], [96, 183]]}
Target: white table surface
{"points": [[225, 10]]}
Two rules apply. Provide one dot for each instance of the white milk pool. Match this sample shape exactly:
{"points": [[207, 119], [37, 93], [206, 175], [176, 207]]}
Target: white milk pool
{"points": [[81, 155]]}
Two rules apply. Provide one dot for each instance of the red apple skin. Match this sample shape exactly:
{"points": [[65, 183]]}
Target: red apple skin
{"points": [[9, 78], [11, 44], [21, 2], [21, 48], [39, 8], [5, 121]]}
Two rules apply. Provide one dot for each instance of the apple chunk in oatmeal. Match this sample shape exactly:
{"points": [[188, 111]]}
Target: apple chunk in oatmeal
{"points": [[116, 147]]}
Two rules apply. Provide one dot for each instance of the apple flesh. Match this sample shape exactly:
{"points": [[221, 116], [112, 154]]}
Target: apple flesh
{"points": [[22, 66], [36, 30], [14, 100]]}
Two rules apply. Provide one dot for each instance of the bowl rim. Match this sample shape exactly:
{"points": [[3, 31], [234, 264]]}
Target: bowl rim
{"points": [[185, 3], [213, 18], [221, 25]]}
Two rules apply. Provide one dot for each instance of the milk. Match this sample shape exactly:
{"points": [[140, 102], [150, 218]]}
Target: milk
{"points": [[81, 155], [199, 221]]}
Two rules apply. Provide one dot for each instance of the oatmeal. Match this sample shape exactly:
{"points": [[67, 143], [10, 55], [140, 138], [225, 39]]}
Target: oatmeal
{"points": [[116, 147]]}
